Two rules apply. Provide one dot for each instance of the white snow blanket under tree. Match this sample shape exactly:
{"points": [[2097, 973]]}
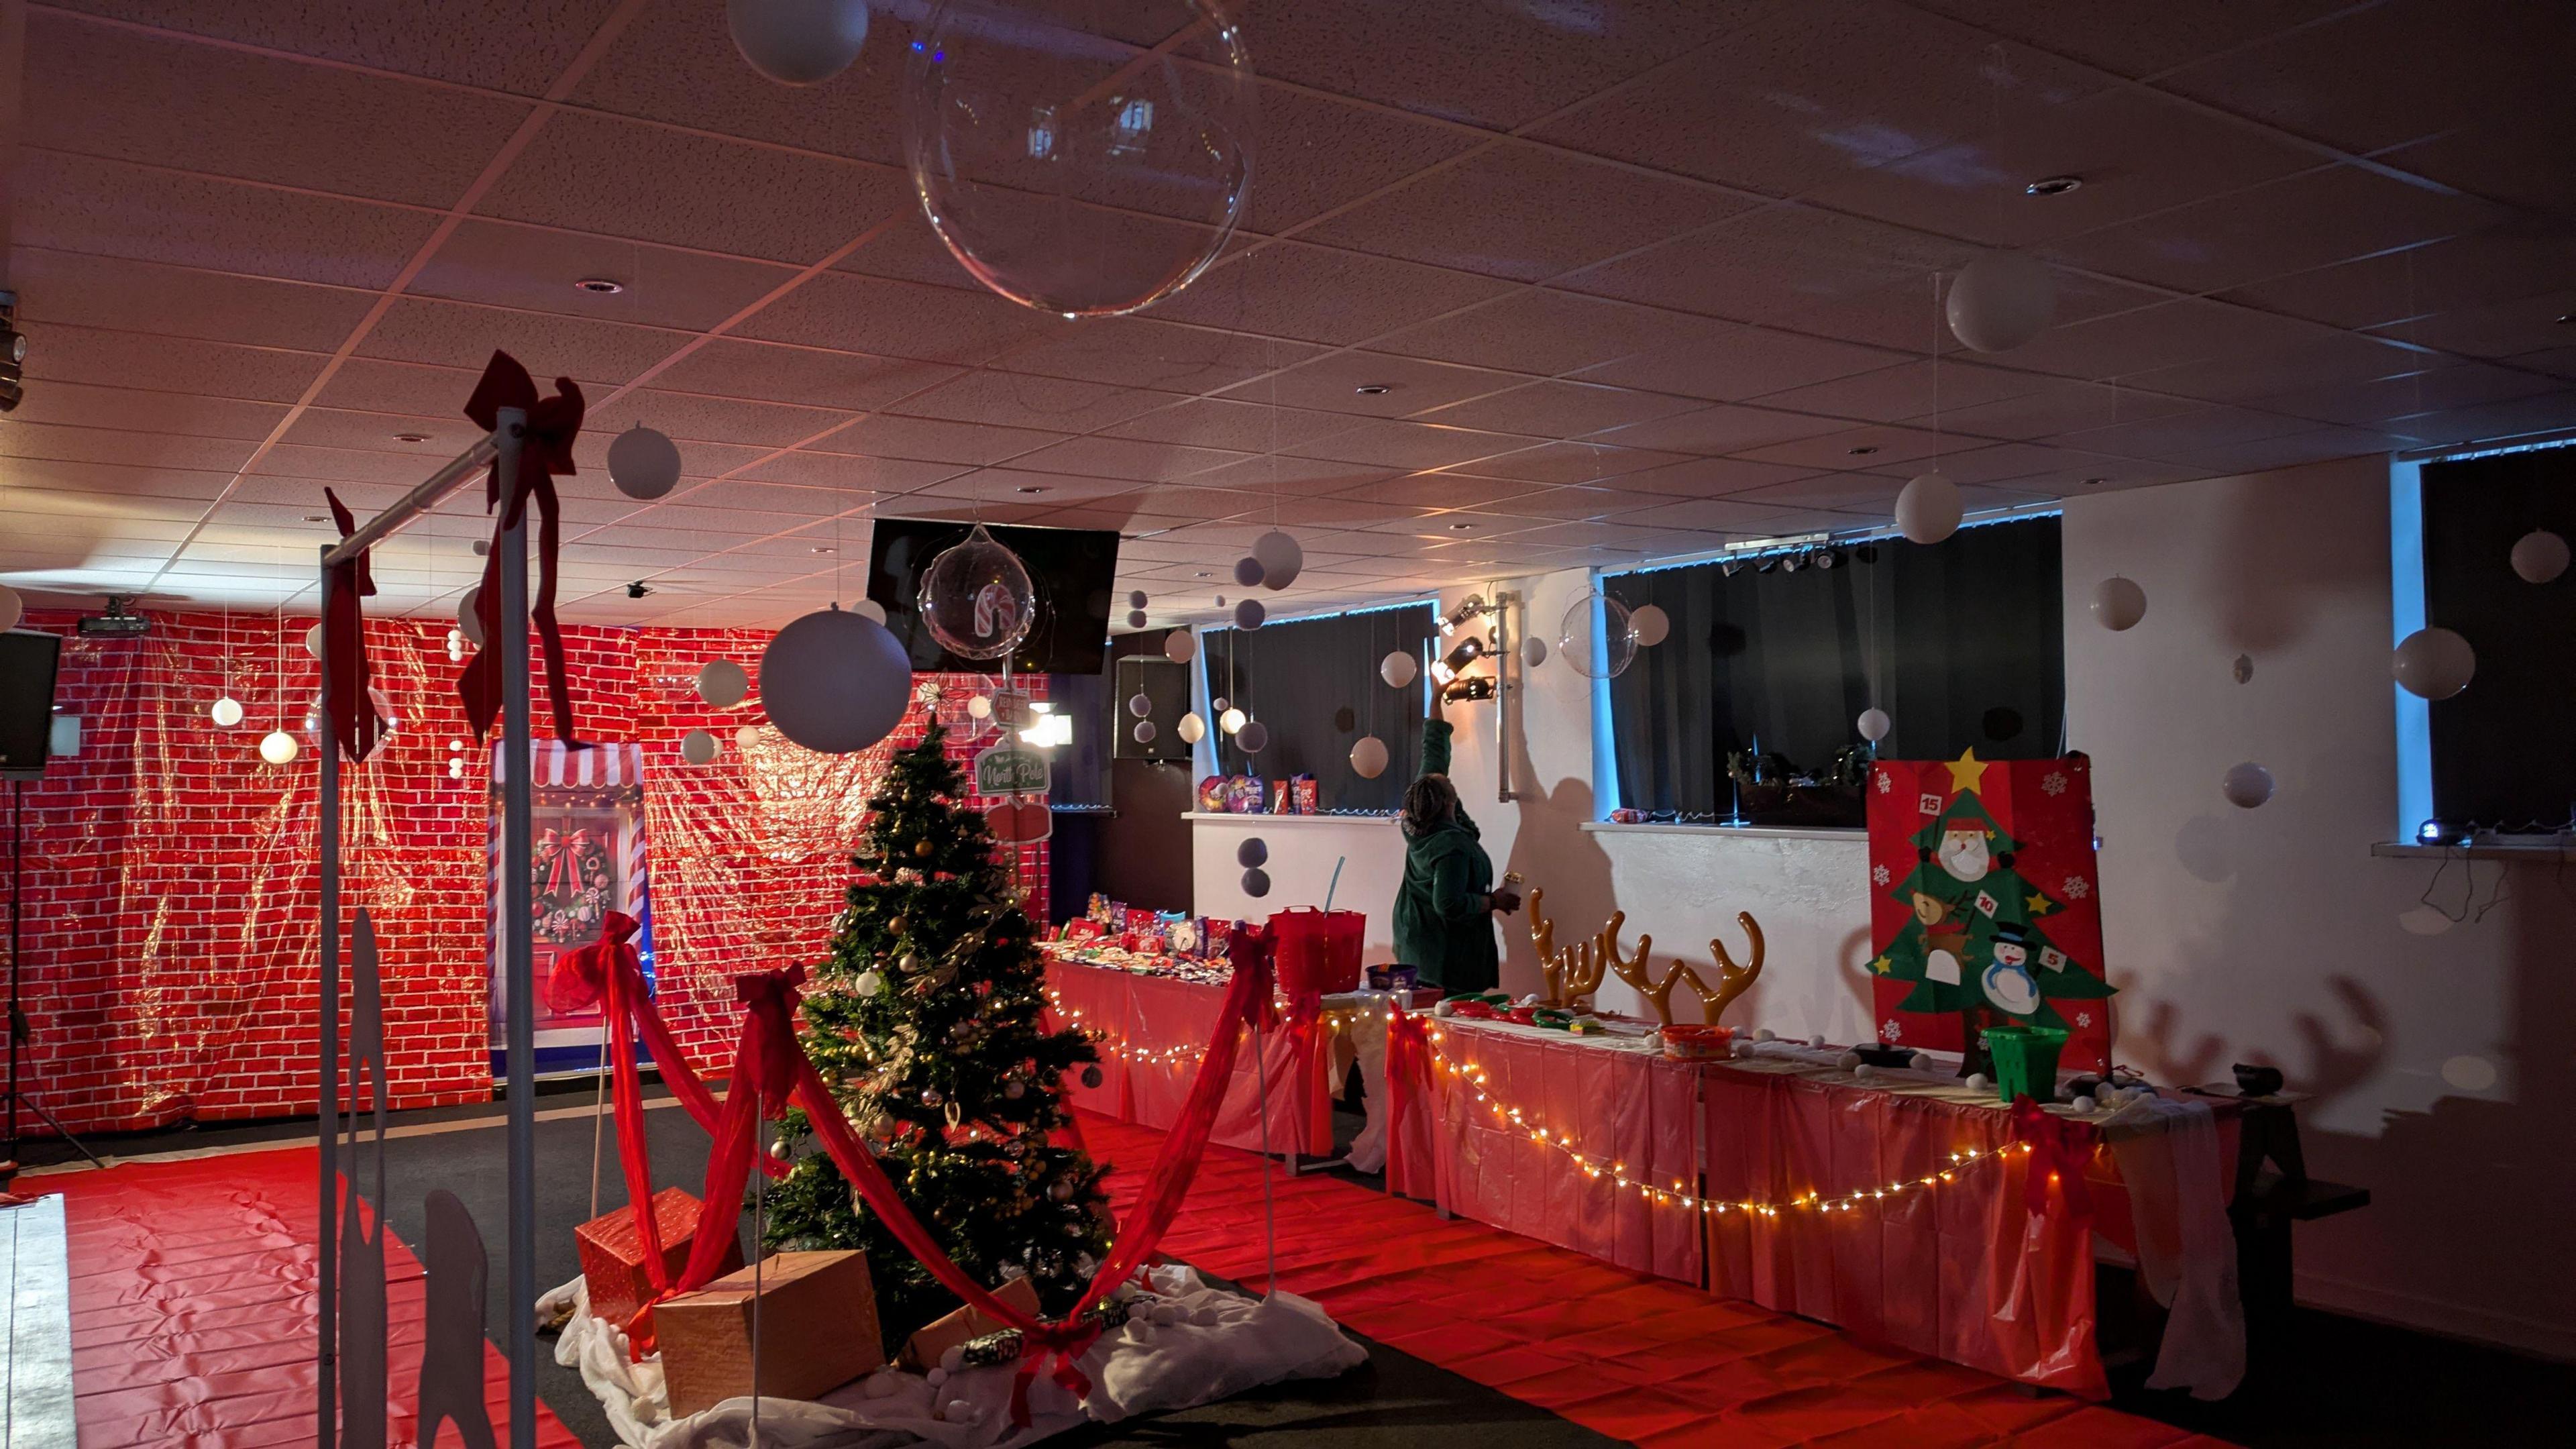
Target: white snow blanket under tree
{"points": [[1220, 1344]]}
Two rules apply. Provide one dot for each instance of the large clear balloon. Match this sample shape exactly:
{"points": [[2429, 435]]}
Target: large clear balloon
{"points": [[976, 598], [1069, 158], [1597, 638], [835, 682]]}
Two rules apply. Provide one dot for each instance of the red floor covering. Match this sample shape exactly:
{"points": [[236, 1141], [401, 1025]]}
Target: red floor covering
{"points": [[1642, 1359], [193, 1306]]}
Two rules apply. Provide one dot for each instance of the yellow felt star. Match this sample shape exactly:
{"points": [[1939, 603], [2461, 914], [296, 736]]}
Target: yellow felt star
{"points": [[1968, 772], [1882, 965], [2038, 903]]}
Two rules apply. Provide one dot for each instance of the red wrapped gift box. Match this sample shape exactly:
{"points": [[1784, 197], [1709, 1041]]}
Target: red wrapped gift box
{"points": [[612, 1260]]}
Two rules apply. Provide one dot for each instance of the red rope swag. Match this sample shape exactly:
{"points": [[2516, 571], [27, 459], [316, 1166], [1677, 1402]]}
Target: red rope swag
{"points": [[545, 453], [771, 1072]]}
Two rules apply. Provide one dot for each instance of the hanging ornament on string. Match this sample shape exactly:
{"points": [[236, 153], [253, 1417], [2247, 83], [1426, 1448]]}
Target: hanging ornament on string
{"points": [[835, 681], [1221, 704], [1136, 609], [1597, 638], [226, 712], [467, 622], [1368, 757], [1398, 669], [1252, 851], [2246, 785], [2539, 556], [2001, 300], [277, 747], [1533, 652], [1140, 704], [2433, 663], [1256, 883], [698, 747], [1248, 614], [1065, 168], [313, 641], [1928, 509], [976, 599], [1193, 728], [1247, 572], [1873, 724], [1180, 646], [2118, 603], [798, 42], [643, 463], [1280, 558], [723, 683], [1650, 624], [1252, 736], [1231, 720], [1144, 732]]}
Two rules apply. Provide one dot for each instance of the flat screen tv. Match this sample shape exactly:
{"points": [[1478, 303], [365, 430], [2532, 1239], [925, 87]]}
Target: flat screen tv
{"points": [[28, 660], [1072, 570]]}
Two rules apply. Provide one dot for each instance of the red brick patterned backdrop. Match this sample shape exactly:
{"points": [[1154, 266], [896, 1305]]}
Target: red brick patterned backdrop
{"points": [[171, 874]]}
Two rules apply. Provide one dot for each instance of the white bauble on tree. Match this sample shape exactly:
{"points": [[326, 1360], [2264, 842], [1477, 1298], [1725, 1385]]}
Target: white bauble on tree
{"points": [[1252, 737], [1928, 509], [468, 623], [1180, 646], [643, 463], [835, 682], [1280, 558], [2246, 785], [1398, 669], [2538, 556], [976, 599], [1650, 625], [1873, 724], [12, 607], [1193, 728], [226, 712], [2001, 300], [723, 683], [1368, 757], [2433, 663], [1533, 652], [2118, 603], [798, 42], [698, 747]]}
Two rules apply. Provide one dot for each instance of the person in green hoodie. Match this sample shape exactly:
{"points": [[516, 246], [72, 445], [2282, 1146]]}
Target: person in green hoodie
{"points": [[1443, 908]]}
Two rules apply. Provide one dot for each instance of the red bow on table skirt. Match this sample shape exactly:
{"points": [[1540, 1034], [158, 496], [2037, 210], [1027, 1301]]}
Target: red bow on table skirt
{"points": [[545, 453], [344, 644], [1408, 1075], [2059, 1151]]}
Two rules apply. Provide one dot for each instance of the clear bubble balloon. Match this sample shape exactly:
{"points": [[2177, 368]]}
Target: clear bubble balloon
{"points": [[1597, 639], [1398, 669], [1069, 162], [976, 599]]}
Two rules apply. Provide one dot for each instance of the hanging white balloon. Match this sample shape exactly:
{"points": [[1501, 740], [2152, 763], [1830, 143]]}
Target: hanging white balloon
{"points": [[1144, 732], [1398, 669], [2001, 300], [798, 42], [2433, 663], [1252, 737], [981, 706], [1928, 509], [1533, 652], [1193, 728], [2118, 603], [643, 463], [313, 641], [698, 747], [1650, 624], [1180, 646], [2246, 785], [277, 747], [870, 608], [467, 622], [1873, 724], [1230, 720], [835, 682], [1140, 704], [227, 711], [1368, 757], [1248, 614], [1220, 704], [12, 607], [746, 737], [1280, 558], [2539, 556], [723, 683]]}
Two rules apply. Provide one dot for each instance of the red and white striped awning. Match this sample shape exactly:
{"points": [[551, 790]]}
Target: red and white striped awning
{"points": [[556, 763]]}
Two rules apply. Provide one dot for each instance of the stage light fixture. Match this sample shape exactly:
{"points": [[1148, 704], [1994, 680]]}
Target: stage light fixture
{"points": [[1469, 608], [1829, 558], [1469, 650], [1790, 563]]}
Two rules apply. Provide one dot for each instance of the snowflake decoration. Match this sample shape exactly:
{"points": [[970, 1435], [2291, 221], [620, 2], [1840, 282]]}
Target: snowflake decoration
{"points": [[2054, 782], [1879, 874], [2083, 1018], [2077, 888], [1890, 1030], [1884, 784]]}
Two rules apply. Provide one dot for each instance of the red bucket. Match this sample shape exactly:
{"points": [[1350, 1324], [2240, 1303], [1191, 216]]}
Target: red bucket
{"points": [[1318, 951]]}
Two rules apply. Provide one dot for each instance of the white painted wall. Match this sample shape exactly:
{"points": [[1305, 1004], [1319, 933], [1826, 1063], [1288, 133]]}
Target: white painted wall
{"points": [[1303, 851]]}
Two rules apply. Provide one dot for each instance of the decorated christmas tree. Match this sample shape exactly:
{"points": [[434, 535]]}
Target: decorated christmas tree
{"points": [[927, 1024], [1976, 944]]}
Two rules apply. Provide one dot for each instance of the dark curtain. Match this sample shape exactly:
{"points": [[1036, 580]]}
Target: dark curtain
{"points": [[1964, 640], [1314, 685], [1081, 769], [2499, 746]]}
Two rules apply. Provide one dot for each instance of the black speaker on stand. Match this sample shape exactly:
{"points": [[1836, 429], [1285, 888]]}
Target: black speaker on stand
{"points": [[29, 662]]}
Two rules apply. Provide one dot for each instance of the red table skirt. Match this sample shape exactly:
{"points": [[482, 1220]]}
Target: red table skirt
{"points": [[1153, 1029]]}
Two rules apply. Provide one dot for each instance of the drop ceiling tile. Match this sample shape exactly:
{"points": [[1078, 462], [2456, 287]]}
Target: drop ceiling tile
{"points": [[1320, 295], [2169, 334], [329, 427], [1280, 475], [534, 268], [1129, 458], [75, 492], [1908, 390], [1140, 352], [2504, 330], [1722, 362], [1532, 330], [449, 40], [771, 498], [1576, 503], [2057, 406], [1332, 383], [1252, 427], [2435, 389], [2501, 264], [1018, 400], [1735, 517], [2507, 158], [676, 62], [117, 360], [612, 177], [1871, 498], [140, 297], [1319, 152], [2286, 451], [2027, 466], [716, 419], [1525, 213], [1561, 409], [1872, 448], [1445, 490], [1908, 315], [908, 250], [1711, 477], [1396, 444], [1574, 462], [320, 465], [461, 335], [1722, 429], [2242, 375], [2137, 42], [894, 319], [1343, 511], [1819, 90], [771, 372], [884, 435], [1195, 504], [846, 472], [1022, 487], [1772, 263], [29, 439], [51, 400]]}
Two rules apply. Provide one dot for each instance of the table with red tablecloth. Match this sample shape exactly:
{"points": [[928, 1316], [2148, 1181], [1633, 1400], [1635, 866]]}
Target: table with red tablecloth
{"points": [[1151, 1028]]}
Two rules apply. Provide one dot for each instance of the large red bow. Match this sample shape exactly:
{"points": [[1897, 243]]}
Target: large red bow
{"points": [[1408, 1072], [545, 453], [2059, 1152], [344, 645]]}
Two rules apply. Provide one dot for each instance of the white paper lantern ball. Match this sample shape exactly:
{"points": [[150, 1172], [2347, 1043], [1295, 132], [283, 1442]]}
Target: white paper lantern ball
{"points": [[2118, 603], [981, 706], [746, 738], [798, 42], [2246, 785], [698, 747], [643, 463], [1252, 737], [1249, 614], [467, 623], [1928, 509], [2433, 663], [1533, 652], [1136, 618], [1398, 669], [1180, 646], [1873, 724], [1280, 557], [277, 747], [2538, 557], [835, 682], [1193, 728], [1368, 757], [1252, 851], [226, 712], [313, 641], [1230, 719], [2001, 300], [1256, 883], [12, 607], [723, 683], [1247, 572], [1144, 732], [1649, 625]]}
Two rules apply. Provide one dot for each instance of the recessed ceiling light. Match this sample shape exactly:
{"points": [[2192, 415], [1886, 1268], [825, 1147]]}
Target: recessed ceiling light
{"points": [[411, 437], [600, 286], [2567, 319], [317, 518], [1373, 389], [2053, 186], [1203, 574], [1863, 451], [1032, 488], [1460, 527], [822, 548], [2095, 482]]}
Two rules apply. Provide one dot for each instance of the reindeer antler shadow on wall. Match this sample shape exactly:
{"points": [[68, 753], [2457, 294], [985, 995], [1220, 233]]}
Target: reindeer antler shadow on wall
{"points": [[1575, 971]]}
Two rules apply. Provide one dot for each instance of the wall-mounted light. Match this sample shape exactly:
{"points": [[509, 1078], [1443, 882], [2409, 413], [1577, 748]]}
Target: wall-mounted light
{"points": [[1469, 608], [1469, 650]]}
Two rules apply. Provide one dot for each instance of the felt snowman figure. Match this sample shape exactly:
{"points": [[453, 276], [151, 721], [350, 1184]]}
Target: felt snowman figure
{"points": [[2007, 980]]}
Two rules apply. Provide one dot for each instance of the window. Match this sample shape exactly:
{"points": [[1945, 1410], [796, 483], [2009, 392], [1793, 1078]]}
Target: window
{"points": [[1747, 712], [1313, 684], [2496, 755]]}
